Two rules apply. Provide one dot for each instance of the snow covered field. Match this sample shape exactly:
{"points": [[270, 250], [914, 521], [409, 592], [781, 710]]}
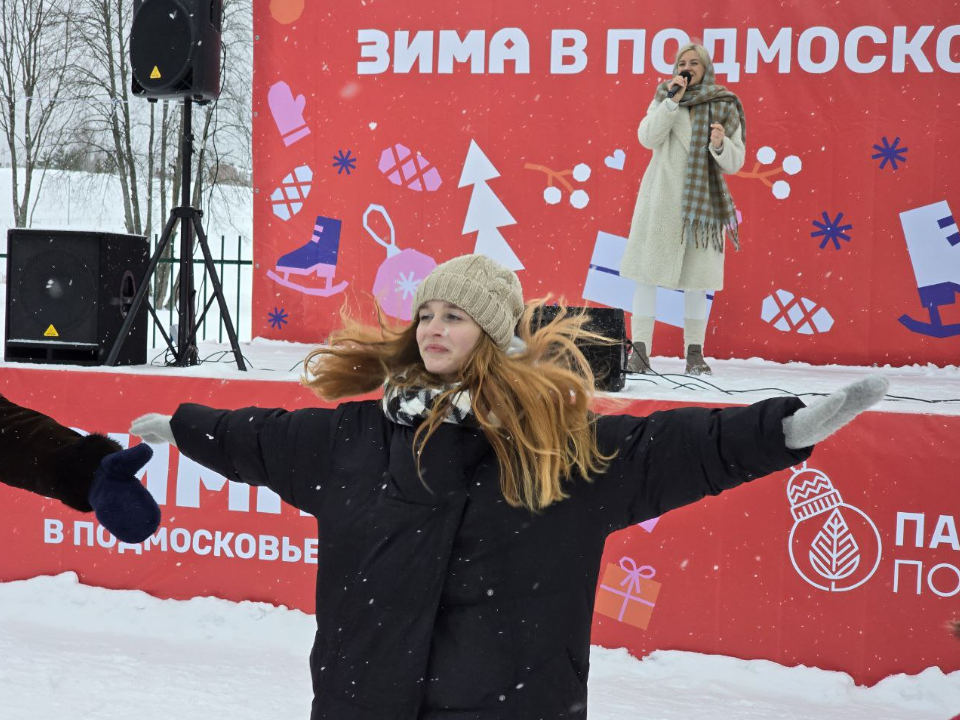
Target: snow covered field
{"points": [[69, 651]]}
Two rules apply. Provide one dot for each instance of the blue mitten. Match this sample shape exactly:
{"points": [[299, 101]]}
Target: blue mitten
{"points": [[122, 504]]}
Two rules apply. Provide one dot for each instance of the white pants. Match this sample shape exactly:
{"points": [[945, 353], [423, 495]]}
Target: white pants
{"points": [[645, 313]]}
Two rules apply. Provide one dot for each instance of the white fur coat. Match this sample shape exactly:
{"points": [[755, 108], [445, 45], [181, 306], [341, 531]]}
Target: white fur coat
{"points": [[655, 253]]}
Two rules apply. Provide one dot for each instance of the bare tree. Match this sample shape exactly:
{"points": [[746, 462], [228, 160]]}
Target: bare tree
{"points": [[112, 114], [36, 45], [144, 151]]}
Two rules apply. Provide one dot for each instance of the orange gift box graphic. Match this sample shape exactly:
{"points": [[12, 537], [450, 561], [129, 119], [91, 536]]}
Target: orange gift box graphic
{"points": [[628, 593]]}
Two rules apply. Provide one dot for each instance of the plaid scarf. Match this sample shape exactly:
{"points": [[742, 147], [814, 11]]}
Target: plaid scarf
{"points": [[411, 405], [707, 207]]}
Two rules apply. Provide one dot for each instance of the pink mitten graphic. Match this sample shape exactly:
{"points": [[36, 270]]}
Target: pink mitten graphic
{"points": [[287, 113]]}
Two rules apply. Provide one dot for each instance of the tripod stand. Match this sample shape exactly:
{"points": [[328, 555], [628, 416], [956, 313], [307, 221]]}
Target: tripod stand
{"points": [[185, 351]]}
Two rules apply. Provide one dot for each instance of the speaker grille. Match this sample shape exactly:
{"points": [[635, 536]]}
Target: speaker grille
{"points": [[162, 45], [55, 287]]}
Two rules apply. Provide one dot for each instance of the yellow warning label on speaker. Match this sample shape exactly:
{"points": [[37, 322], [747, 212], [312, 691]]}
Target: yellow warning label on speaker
{"points": [[51, 332], [155, 75]]}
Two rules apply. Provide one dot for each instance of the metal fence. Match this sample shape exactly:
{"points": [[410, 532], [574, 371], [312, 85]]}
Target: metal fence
{"points": [[236, 277]]}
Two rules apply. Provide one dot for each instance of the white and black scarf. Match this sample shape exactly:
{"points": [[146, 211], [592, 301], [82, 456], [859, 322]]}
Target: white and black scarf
{"points": [[412, 405]]}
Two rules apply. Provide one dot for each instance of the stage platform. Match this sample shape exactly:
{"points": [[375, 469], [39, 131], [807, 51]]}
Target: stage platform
{"points": [[730, 575]]}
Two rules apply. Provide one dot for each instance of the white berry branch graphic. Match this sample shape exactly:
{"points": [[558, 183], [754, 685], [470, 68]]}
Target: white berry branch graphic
{"points": [[552, 194], [765, 156]]}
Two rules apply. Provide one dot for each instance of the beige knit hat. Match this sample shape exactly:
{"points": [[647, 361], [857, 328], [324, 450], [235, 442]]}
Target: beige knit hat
{"points": [[483, 288]]}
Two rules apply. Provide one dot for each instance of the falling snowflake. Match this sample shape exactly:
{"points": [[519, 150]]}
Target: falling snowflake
{"points": [[831, 230], [278, 318], [343, 162], [890, 153], [407, 284]]}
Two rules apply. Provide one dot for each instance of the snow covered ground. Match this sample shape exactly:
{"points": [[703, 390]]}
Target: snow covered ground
{"points": [[69, 651]]}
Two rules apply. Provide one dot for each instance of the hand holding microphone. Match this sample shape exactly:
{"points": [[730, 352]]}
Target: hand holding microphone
{"points": [[678, 86]]}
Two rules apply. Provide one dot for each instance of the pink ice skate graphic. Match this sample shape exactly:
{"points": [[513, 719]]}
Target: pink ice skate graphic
{"points": [[411, 170], [400, 274], [287, 113], [318, 256]]}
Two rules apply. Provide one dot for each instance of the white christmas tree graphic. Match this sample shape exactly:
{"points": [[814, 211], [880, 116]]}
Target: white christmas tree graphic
{"points": [[485, 213]]}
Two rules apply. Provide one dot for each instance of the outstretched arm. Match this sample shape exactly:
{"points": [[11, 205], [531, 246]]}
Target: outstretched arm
{"points": [[284, 451], [823, 417], [677, 457], [85, 472], [42, 456]]}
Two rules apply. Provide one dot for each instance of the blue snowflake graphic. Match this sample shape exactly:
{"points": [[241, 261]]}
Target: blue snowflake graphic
{"points": [[278, 318], [890, 153], [343, 162], [831, 230]]}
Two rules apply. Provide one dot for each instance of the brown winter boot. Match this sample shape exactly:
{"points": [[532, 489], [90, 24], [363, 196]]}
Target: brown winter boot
{"points": [[696, 365], [639, 362]]}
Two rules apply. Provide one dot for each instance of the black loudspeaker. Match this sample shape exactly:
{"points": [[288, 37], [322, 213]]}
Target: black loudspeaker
{"points": [[175, 49], [608, 362], [68, 293]]}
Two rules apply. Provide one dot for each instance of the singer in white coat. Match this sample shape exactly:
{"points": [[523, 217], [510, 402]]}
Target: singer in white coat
{"points": [[684, 213]]}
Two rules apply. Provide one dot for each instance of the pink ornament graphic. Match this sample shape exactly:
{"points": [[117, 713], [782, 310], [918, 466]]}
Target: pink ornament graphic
{"points": [[411, 170], [399, 276], [287, 112]]}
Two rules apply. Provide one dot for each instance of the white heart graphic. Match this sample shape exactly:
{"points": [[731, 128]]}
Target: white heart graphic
{"points": [[615, 161]]}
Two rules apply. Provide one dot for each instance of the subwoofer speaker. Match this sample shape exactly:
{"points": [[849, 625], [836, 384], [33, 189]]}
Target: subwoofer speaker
{"points": [[608, 362], [68, 293], [175, 49]]}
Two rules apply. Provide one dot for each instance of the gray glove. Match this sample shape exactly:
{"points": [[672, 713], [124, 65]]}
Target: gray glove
{"points": [[154, 428], [824, 416]]}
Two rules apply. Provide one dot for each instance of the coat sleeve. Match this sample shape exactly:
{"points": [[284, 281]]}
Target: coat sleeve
{"points": [[676, 457], [730, 159], [42, 456], [286, 451], [655, 127]]}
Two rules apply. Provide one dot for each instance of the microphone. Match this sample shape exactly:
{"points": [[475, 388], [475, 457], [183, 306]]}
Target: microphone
{"points": [[676, 88]]}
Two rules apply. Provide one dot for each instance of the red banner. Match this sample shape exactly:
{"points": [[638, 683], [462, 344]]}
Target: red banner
{"points": [[392, 138], [850, 563]]}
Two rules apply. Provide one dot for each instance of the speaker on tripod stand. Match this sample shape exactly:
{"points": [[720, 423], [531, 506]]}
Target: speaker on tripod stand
{"points": [[175, 49], [175, 53]]}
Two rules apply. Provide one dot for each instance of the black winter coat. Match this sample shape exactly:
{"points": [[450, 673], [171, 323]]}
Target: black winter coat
{"points": [[447, 603], [42, 456]]}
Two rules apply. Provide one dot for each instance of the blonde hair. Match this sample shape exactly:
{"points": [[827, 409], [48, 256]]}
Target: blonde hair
{"points": [[701, 53], [533, 406]]}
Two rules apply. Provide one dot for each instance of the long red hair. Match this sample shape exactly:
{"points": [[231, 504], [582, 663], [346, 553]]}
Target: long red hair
{"points": [[533, 405]]}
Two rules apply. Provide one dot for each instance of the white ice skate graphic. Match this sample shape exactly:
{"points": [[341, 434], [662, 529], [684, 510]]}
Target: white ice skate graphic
{"points": [[934, 244]]}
